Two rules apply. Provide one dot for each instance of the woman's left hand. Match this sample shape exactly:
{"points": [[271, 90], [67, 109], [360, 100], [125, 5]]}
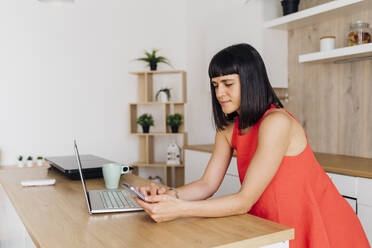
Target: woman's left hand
{"points": [[163, 207]]}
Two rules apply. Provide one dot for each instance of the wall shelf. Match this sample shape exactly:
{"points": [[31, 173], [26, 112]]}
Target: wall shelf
{"points": [[338, 55], [173, 175], [318, 14]]}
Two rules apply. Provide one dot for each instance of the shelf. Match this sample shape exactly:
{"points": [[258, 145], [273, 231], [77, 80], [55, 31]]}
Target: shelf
{"points": [[157, 72], [156, 164], [318, 14], [157, 134], [145, 103], [340, 54]]}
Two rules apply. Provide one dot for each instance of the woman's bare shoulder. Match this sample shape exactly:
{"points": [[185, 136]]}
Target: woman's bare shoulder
{"points": [[228, 132]]}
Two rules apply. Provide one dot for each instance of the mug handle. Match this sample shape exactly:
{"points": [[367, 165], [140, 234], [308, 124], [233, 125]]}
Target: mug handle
{"points": [[124, 169]]}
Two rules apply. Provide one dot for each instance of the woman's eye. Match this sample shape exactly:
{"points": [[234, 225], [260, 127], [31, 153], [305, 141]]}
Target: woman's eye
{"points": [[228, 85]]}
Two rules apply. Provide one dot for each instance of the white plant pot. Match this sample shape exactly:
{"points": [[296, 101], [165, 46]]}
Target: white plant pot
{"points": [[163, 97], [29, 163], [21, 164], [40, 162]]}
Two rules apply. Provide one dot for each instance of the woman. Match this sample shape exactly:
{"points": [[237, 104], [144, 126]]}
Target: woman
{"points": [[280, 178]]}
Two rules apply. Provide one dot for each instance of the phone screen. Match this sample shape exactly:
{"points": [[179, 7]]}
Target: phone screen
{"points": [[134, 191]]}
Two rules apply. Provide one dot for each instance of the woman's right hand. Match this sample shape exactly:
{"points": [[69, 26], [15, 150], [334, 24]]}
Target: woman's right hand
{"points": [[152, 189]]}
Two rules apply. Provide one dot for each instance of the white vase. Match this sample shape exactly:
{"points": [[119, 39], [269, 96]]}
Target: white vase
{"points": [[163, 97], [40, 162], [20, 164], [29, 163]]}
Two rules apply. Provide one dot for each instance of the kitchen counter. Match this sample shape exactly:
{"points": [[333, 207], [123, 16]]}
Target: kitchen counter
{"points": [[340, 164], [57, 216]]}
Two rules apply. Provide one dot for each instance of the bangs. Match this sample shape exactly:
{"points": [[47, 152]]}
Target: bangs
{"points": [[223, 63]]}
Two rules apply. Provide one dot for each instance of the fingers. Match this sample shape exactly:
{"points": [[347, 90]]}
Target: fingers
{"points": [[156, 198], [162, 191], [145, 190]]}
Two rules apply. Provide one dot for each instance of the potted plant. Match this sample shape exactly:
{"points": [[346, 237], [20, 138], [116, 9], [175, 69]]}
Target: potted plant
{"points": [[29, 161], [164, 94], [145, 121], [153, 60], [290, 6], [174, 121], [40, 161], [20, 161]]}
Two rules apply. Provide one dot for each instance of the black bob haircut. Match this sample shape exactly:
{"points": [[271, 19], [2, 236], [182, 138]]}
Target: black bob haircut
{"points": [[257, 95]]}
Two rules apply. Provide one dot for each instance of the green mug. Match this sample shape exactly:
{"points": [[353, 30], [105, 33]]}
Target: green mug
{"points": [[111, 174]]}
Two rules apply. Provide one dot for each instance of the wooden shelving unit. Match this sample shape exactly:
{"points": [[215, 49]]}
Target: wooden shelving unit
{"points": [[318, 14], [341, 54], [146, 140]]}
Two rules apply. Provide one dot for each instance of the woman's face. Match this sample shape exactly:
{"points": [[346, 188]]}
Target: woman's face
{"points": [[227, 90]]}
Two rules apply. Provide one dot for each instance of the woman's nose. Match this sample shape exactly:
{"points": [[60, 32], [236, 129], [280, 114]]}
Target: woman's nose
{"points": [[220, 90]]}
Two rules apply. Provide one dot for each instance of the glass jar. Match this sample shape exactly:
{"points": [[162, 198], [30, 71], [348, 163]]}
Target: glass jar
{"points": [[360, 34]]}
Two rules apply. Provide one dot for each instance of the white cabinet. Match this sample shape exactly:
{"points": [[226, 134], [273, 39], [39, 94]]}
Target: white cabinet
{"points": [[346, 185], [12, 232], [195, 164], [361, 190], [365, 217], [231, 182], [352, 202], [365, 205]]}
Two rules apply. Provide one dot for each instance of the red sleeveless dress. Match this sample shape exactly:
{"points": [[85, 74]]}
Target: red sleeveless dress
{"points": [[302, 196]]}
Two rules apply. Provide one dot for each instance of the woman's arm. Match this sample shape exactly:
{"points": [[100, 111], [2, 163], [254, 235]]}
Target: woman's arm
{"points": [[213, 175], [273, 141]]}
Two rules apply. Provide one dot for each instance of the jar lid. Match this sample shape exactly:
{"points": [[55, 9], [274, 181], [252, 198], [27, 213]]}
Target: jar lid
{"points": [[360, 24], [328, 37]]}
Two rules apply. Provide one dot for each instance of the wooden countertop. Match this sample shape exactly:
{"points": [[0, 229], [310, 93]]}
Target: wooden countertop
{"points": [[341, 164], [57, 216]]}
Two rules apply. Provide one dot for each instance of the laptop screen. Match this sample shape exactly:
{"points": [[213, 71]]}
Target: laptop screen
{"points": [[81, 175]]}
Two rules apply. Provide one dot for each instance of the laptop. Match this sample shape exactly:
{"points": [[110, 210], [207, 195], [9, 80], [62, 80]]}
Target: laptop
{"points": [[92, 166], [106, 201]]}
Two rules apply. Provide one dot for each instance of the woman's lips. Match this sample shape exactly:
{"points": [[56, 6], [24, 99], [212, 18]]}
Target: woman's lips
{"points": [[224, 102]]}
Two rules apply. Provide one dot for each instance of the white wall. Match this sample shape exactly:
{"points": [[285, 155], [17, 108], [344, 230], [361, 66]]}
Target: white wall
{"points": [[64, 68], [64, 72], [214, 25]]}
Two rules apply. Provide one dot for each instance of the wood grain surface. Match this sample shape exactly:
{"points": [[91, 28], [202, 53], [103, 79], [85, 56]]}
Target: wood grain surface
{"points": [[57, 216], [332, 101], [346, 165]]}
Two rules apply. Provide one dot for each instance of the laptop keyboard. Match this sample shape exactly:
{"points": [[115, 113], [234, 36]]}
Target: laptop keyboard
{"points": [[116, 199]]}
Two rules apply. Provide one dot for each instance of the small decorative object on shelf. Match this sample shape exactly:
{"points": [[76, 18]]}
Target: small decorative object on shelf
{"points": [[164, 94], [153, 60], [290, 6], [327, 43], [360, 33], [29, 161], [40, 160], [20, 161], [156, 179], [173, 154], [174, 121], [145, 121]]}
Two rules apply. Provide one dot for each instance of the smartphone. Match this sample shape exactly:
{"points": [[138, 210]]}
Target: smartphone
{"points": [[133, 189]]}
